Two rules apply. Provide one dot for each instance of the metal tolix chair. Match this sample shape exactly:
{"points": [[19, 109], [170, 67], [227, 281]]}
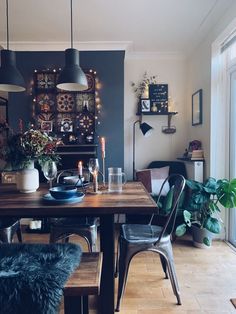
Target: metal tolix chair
{"points": [[85, 227], [135, 238], [8, 228]]}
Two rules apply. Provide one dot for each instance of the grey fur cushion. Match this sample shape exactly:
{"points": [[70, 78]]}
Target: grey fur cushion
{"points": [[32, 276]]}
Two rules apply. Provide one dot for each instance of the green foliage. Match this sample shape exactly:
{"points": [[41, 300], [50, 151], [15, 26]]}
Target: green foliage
{"points": [[181, 230], [165, 206], [203, 209], [207, 241]]}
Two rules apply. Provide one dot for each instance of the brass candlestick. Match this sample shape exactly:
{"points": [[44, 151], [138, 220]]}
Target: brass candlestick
{"points": [[95, 182]]}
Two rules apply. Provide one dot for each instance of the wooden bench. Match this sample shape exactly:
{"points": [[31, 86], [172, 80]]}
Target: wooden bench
{"points": [[84, 281]]}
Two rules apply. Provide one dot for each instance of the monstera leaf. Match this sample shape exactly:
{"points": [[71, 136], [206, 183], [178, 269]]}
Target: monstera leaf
{"points": [[226, 193]]}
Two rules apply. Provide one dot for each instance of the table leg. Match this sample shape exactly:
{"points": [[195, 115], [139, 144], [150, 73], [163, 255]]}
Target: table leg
{"points": [[73, 304], [107, 280]]}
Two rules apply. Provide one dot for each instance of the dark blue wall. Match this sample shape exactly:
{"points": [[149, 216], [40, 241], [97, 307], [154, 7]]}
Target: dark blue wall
{"points": [[110, 71]]}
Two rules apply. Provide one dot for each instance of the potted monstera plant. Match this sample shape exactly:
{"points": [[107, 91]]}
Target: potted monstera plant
{"points": [[203, 214]]}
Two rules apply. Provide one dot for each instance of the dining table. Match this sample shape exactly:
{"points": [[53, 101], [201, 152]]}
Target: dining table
{"points": [[133, 199]]}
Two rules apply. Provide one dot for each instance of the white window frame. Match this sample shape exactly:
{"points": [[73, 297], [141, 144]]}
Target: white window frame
{"points": [[219, 154]]}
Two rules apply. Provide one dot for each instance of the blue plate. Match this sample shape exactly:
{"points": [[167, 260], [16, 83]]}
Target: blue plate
{"points": [[75, 199]]}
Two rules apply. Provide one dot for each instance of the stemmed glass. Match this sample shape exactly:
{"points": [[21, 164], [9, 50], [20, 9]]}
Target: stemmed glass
{"points": [[93, 167], [50, 171]]}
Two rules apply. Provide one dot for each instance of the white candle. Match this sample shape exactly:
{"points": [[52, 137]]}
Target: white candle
{"points": [[103, 146], [80, 168]]}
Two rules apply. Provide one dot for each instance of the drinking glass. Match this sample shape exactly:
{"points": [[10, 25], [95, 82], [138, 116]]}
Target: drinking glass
{"points": [[50, 171]]}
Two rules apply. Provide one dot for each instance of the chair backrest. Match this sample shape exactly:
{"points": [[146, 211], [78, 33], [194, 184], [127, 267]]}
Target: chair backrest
{"points": [[178, 187]]}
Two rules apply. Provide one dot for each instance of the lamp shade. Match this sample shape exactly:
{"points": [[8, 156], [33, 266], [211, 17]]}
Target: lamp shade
{"points": [[72, 78], [10, 78], [146, 129]]}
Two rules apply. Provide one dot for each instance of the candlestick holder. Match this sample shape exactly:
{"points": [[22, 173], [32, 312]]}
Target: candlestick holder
{"points": [[103, 171], [95, 183]]}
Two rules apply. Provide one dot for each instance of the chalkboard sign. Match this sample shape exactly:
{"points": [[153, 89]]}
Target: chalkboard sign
{"points": [[158, 95]]}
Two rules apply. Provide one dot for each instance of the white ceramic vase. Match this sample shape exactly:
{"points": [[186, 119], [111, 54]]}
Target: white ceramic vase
{"points": [[27, 179]]}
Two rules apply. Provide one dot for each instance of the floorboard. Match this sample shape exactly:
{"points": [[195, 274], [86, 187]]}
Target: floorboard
{"points": [[206, 279]]}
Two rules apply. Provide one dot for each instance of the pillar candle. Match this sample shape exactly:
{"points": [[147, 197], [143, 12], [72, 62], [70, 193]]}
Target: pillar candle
{"points": [[80, 168], [103, 146]]}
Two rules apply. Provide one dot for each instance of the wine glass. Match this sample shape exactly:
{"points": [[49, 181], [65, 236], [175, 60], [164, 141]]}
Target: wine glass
{"points": [[93, 165], [50, 171]]}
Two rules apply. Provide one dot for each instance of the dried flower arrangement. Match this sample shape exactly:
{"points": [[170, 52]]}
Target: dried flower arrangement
{"points": [[140, 88], [21, 148]]}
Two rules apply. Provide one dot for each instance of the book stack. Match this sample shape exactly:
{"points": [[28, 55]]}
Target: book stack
{"points": [[197, 155]]}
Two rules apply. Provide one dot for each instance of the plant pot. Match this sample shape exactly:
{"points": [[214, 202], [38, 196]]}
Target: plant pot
{"points": [[198, 235], [27, 179]]}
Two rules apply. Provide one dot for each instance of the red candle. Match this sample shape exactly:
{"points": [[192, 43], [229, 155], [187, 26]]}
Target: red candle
{"points": [[103, 146], [80, 168]]}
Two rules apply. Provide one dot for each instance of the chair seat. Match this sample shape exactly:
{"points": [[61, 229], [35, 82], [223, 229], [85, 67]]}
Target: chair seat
{"points": [[79, 221], [136, 233]]}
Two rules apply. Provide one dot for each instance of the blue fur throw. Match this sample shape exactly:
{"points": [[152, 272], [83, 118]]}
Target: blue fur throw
{"points": [[32, 276]]}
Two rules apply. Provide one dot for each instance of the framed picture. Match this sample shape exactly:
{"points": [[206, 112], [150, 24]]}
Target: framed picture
{"points": [[197, 107], [145, 105], [66, 125], [46, 126]]}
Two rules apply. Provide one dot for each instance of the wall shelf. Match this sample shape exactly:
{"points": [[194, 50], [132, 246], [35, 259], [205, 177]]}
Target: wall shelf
{"points": [[158, 114]]}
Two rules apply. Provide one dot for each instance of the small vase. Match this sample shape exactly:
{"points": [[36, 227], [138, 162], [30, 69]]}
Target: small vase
{"points": [[27, 179]]}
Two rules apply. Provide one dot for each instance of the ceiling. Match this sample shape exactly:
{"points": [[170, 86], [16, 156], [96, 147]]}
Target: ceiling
{"points": [[147, 25]]}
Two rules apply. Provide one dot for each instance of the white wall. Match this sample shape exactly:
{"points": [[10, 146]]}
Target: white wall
{"points": [[170, 69], [199, 76]]}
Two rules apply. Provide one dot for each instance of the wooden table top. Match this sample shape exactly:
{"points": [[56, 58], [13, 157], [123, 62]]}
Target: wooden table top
{"points": [[133, 199]]}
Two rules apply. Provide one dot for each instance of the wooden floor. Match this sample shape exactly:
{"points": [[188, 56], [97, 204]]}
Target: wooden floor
{"points": [[207, 280]]}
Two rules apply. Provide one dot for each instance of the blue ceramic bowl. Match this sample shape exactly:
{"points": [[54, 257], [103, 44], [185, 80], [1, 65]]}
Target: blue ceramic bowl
{"points": [[63, 192]]}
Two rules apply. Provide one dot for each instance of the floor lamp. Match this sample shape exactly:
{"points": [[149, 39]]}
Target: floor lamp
{"points": [[146, 130]]}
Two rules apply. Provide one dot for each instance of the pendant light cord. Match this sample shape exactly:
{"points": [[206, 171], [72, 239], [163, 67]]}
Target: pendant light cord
{"points": [[71, 24], [7, 25]]}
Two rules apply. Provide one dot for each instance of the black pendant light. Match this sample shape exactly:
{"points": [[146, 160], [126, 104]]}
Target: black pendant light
{"points": [[10, 78], [72, 78]]}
